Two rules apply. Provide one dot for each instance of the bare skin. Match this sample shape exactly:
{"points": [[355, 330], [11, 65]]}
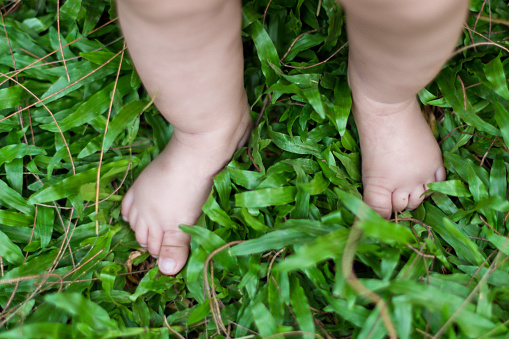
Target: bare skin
{"points": [[395, 134], [396, 48], [191, 52]]}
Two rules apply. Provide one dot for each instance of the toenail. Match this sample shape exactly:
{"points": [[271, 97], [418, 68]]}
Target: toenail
{"points": [[155, 257], [143, 245], [167, 266], [125, 218]]}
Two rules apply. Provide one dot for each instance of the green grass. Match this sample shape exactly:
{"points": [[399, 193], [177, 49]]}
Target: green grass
{"points": [[279, 231]]}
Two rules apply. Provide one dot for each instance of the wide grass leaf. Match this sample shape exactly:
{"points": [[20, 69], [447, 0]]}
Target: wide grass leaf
{"points": [[272, 240], [452, 234], [300, 305], [266, 51], [72, 185], [329, 246], [13, 199], [264, 320], [449, 87], [125, 117], [494, 71], [372, 223], [11, 152], [11, 218], [12, 96], [450, 187], [89, 110], [40, 330], [266, 197], [82, 310], [9, 251], [435, 299], [86, 71]]}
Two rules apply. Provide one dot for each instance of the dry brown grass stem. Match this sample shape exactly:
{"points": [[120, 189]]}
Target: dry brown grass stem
{"points": [[13, 311], [278, 253], [319, 7], [318, 63], [323, 329], [500, 144], [83, 264], [464, 93], [63, 89], [420, 253], [265, 13], [60, 42], [295, 40], [486, 153], [479, 268], [351, 279], [9, 43], [489, 226], [55, 51], [501, 21], [98, 179], [49, 111], [473, 293], [32, 277], [211, 295], [476, 44], [178, 335]]}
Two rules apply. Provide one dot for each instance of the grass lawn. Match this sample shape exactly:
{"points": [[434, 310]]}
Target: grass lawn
{"points": [[284, 227]]}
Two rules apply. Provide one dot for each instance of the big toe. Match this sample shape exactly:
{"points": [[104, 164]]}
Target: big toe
{"points": [[174, 252], [379, 199]]}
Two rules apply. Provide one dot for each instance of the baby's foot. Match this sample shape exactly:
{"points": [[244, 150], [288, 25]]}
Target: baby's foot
{"points": [[173, 188], [400, 155]]}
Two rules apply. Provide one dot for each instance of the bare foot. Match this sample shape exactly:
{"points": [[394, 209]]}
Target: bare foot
{"points": [[400, 155], [173, 188]]}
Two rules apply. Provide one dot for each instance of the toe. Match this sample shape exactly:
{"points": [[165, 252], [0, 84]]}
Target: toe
{"points": [[174, 252], [155, 237], [416, 198], [142, 233], [399, 200], [440, 174], [379, 199], [133, 218], [127, 202]]}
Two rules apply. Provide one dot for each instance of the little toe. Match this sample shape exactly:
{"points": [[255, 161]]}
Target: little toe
{"points": [[142, 233], [400, 199], [174, 252], [416, 198], [379, 199], [440, 174]]}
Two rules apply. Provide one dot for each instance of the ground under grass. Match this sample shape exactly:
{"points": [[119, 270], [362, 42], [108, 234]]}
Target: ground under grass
{"points": [[284, 247]]}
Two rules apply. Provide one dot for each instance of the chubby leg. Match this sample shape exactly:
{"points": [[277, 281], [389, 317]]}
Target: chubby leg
{"points": [[190, 52], [396, 48]]}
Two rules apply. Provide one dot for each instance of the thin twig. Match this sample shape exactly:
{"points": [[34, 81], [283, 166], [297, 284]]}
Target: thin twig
{"points": [[318, 63], [180, 336], [60, 42], [211, 297], [98, 179], [351, 279]]}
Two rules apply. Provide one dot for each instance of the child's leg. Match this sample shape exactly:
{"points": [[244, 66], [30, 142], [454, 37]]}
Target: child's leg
{"points": [[396, 48], [190, 51]]}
